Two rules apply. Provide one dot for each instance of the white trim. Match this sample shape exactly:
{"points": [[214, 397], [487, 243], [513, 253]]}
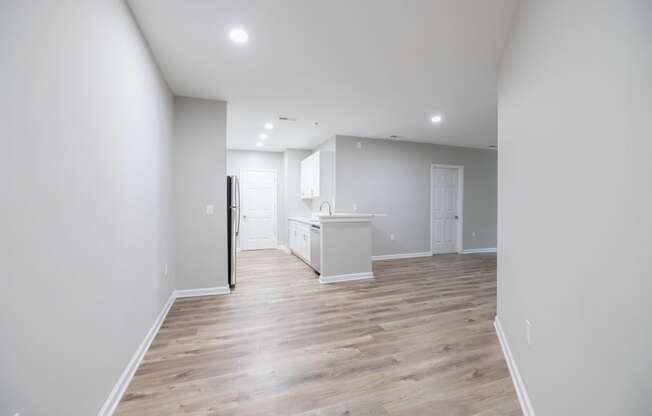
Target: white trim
{"points": [[521, 392], [402, 256], [480, 250], [125, 378], [283, 248], [346, 277], [207, 291], [242, 236], [121, 385], [460, 203]]}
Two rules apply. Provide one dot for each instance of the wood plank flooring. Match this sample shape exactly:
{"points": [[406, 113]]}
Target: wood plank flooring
{"points": [[418, 340]]}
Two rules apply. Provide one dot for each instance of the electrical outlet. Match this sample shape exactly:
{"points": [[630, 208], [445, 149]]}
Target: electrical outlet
{"points": [[165, 269], [528, 332], [210, 209], [355, 207], [473, 234], [359, 145], [392, 237]]}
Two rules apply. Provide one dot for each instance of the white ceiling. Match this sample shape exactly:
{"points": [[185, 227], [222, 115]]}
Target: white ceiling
{"points": [[371, 68]]}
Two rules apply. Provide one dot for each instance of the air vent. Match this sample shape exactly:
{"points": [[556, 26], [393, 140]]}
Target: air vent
{"points": [[493, 146], [287, 118], [393, 136]]}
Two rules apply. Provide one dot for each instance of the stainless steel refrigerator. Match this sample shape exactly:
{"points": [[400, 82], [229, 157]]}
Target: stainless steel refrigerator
{"points": [[233, 223]]}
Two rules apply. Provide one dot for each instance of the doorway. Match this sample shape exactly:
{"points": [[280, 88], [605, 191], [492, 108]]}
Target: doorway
{"points": [[259, 209], [446, 208]]}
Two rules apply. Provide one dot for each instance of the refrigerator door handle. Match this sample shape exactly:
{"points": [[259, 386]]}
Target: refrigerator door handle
{"points": [[237, 205]]}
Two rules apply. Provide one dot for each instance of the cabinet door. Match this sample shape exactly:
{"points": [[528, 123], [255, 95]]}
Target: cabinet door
{"points": [[315, 174], [303, 178], [304, 242], [309, 179], [307, 243], [291, 239], [306, 178], [309, 175], [295, 237]]}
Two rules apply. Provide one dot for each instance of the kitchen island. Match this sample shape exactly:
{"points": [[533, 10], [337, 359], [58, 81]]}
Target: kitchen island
{"points": [[346, 241]]}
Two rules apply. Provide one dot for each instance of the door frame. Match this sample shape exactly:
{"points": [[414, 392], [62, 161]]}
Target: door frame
{"points": [[460, 205], [243, 184]]}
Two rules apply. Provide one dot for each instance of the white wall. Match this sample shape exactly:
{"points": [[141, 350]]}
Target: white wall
{"points": [[200, 180], [246, 159], [393, 178], [575, 236], [85, 229]]}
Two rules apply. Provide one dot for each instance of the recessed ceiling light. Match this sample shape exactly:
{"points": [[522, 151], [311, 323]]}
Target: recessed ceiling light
{"points": [[436, 119], [259, 144], [238, 35], [263, 136], [269, 126]]}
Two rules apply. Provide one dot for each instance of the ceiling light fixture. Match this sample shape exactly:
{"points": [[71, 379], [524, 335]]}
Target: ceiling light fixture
{"points": [[238, 35], [436, 119], [263, 136], [269, 126], [259, 144]]}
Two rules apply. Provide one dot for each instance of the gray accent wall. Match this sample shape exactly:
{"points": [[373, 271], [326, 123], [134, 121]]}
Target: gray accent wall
{"points": [[85, 191], [575, 236], [200, 180], [393, 178], [250, 159]]}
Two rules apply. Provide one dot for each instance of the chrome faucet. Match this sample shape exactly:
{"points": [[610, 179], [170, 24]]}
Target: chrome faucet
{"points": [[330, 210]]}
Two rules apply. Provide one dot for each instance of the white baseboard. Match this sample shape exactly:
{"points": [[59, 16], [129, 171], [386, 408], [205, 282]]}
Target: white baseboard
{"points": [[125, 378], [480, 250], [283, 248], [402, 256], [346, 277], [121, 385], [521, 392], [207, 291]]}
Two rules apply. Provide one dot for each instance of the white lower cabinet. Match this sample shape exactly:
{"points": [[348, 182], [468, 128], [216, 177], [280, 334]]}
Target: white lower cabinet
{"points": [[299, 239]]}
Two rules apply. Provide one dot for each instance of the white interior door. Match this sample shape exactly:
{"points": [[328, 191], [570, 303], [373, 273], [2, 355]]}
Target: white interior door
{"points": [[445, 210], [258, 205]]}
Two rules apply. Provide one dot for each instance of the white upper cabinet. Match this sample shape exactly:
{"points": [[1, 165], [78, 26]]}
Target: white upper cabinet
{"points": [[316, 165], [310, 172]]}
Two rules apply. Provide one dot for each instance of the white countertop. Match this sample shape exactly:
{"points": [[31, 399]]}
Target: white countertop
{"points": [[336, 217], [304, 220], [345, 217]]}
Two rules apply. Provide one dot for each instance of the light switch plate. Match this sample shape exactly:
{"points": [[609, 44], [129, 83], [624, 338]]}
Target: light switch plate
{"points": [[210, 210], [528, 332]]}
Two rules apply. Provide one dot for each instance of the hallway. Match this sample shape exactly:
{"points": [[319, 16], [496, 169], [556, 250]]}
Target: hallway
{"points": [[418, 340]]}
